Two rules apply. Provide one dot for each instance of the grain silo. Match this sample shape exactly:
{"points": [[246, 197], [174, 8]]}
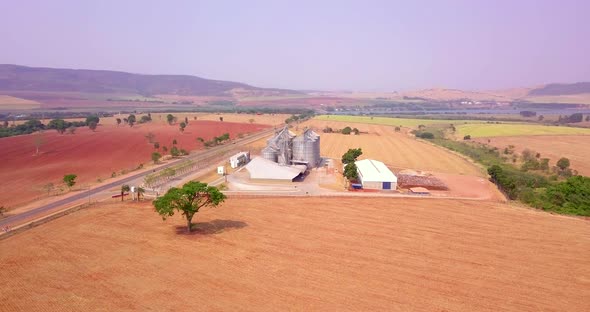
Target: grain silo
{"points": [[306, 149], [270, 154]]}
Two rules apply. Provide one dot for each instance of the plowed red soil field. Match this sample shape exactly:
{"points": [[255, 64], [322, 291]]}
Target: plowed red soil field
{"points": [[93, 155], [305, 254]]}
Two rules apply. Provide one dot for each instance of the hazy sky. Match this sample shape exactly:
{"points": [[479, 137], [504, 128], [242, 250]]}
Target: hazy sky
{"points": [[355, 45]]}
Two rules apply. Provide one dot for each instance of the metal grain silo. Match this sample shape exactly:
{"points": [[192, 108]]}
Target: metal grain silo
{"points": [[270, 154], [306, 149]]}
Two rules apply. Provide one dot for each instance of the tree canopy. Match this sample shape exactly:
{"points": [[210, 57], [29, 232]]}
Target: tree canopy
{"points": [[70, 180], [351, 155], [188, 200]]}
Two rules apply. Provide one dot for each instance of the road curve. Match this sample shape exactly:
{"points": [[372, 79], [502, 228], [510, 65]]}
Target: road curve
{"points": [[39, 211]]}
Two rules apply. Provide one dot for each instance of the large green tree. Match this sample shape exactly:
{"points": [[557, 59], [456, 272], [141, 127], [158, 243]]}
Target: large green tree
{"points": [[351, 155], [188, 200]]}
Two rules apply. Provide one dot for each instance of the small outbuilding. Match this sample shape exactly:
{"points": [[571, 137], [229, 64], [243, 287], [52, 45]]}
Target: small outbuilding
{"points": [[373, 174], [239, 159]]}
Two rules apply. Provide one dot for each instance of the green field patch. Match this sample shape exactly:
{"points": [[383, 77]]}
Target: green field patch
{"points": [[495, 130]]}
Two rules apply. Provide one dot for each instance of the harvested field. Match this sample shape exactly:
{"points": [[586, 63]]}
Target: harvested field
{"points": [[574, 147], [395, 149], [497, 130], [10, 102], [387, 121], [268, 254], [93, 155]]}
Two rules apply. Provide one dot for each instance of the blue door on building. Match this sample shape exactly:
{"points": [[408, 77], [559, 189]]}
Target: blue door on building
{"points": [[387, 185]]}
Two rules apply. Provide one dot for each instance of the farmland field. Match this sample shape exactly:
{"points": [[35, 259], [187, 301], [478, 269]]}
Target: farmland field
{"points": [[395, 149], [335, 254], [10, 102], [574, 147], [494, 130], [93, 155], [387, 121]]}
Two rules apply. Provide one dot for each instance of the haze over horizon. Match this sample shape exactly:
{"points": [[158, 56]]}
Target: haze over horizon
{"points": [[331, 45]]}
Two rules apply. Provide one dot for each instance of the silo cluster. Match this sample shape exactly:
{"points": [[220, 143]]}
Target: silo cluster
{"points": [[286, 149]]}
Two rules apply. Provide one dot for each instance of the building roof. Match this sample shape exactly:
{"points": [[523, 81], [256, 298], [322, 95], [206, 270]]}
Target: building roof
{"points": [[374, 171], [260, 168]]}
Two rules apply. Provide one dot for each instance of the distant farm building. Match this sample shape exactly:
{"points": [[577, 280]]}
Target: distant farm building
{"points": [[239, 159], [286, 156], [375, 175]]}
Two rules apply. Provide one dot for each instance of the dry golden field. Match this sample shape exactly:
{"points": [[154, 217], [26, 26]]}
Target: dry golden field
{"points": [[303, 254], [396, 149], [574, 147]]}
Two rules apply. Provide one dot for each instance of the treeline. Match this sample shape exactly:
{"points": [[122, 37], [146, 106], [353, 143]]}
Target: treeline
{"points": [[215, 141], [535, 188], [300, 117], [34, 125], [346, 130]]}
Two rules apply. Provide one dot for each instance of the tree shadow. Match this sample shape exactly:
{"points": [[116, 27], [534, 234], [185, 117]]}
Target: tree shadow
{"points": [[211, 227]]}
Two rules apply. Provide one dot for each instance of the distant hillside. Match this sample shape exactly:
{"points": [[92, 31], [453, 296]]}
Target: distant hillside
{"points": [[562, 89], [22, 78]]}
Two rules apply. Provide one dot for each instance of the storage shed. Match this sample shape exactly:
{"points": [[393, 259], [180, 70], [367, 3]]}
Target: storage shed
{"points": [[373, 174]]}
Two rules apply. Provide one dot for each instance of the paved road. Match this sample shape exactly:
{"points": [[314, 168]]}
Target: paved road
{"points": [[39, 211]]}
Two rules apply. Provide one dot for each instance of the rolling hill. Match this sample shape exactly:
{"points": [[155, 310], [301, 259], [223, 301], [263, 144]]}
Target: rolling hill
{"points": [[15, 78]]}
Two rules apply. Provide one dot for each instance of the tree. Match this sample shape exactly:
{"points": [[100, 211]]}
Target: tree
{"points": [[351, 172], [220, 118], [164, 149], [587, 118], [144, 119], [70, 180], [38, 141], [467, 137], [92, 125], [174, 151], [156, 157], [186, 120], [2, 210], [170, 118], [563, 163], [397, 129], [541, 117], [174, 142], [351, 155], [131, 120], [355, 131], [150, 137], [92, 118], [124, 188], [140, 191], [48, 187], [71, 129], [59, 125], [118, 121], [346, 130], [156, 145], [188, 200], [251, 120], [182, 126]]}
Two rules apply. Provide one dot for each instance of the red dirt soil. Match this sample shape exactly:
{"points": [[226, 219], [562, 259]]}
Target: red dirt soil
{"points": [[93, 155], [280, 254]]}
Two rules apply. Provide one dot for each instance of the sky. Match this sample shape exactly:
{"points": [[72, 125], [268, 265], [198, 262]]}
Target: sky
{"points": [[318, 45]]}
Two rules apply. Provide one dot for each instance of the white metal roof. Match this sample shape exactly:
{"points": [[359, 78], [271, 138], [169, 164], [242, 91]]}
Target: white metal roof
{"points": [[374, 171], [261, 168]]}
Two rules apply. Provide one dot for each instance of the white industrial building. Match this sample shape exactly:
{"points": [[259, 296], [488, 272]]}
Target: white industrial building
{"points": [[264, 169], [374, 175], [239, 159]]}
